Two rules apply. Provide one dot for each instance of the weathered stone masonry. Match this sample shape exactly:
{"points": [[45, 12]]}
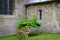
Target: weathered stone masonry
{"points": [[8, 22], [50, 15]]}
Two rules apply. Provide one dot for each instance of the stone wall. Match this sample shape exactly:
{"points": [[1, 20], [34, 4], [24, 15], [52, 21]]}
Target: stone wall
{"points": [[8, 26], [49, 22], [8, 22], [57, 5]]}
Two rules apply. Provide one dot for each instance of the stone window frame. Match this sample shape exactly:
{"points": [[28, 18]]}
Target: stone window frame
{"points": [[14, 12]]}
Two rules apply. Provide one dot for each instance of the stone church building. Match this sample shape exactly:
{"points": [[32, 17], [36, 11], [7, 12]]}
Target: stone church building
{"points": [[12, 11]]}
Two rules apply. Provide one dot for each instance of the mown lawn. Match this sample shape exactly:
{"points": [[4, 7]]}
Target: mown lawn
{"points": [[38, 37]]}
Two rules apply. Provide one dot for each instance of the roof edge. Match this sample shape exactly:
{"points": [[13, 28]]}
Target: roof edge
{"points": [[40, 3]]}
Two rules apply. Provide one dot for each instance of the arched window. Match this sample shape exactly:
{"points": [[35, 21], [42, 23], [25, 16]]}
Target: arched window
{"points": [[6, 7]]}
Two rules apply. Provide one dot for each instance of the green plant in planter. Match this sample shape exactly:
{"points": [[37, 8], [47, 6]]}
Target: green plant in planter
{"points": [[24, 25]]}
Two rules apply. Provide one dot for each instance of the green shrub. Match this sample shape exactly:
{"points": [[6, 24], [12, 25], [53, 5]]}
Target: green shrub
{"points": [[26, 24], [30, 23]]}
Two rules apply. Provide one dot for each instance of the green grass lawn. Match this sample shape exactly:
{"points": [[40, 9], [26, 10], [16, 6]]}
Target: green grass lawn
{"points": [[38, 37]]}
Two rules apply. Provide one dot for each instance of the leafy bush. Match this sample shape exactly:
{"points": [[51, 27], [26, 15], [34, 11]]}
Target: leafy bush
{"points": [[25, 25], [30, 23]]}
